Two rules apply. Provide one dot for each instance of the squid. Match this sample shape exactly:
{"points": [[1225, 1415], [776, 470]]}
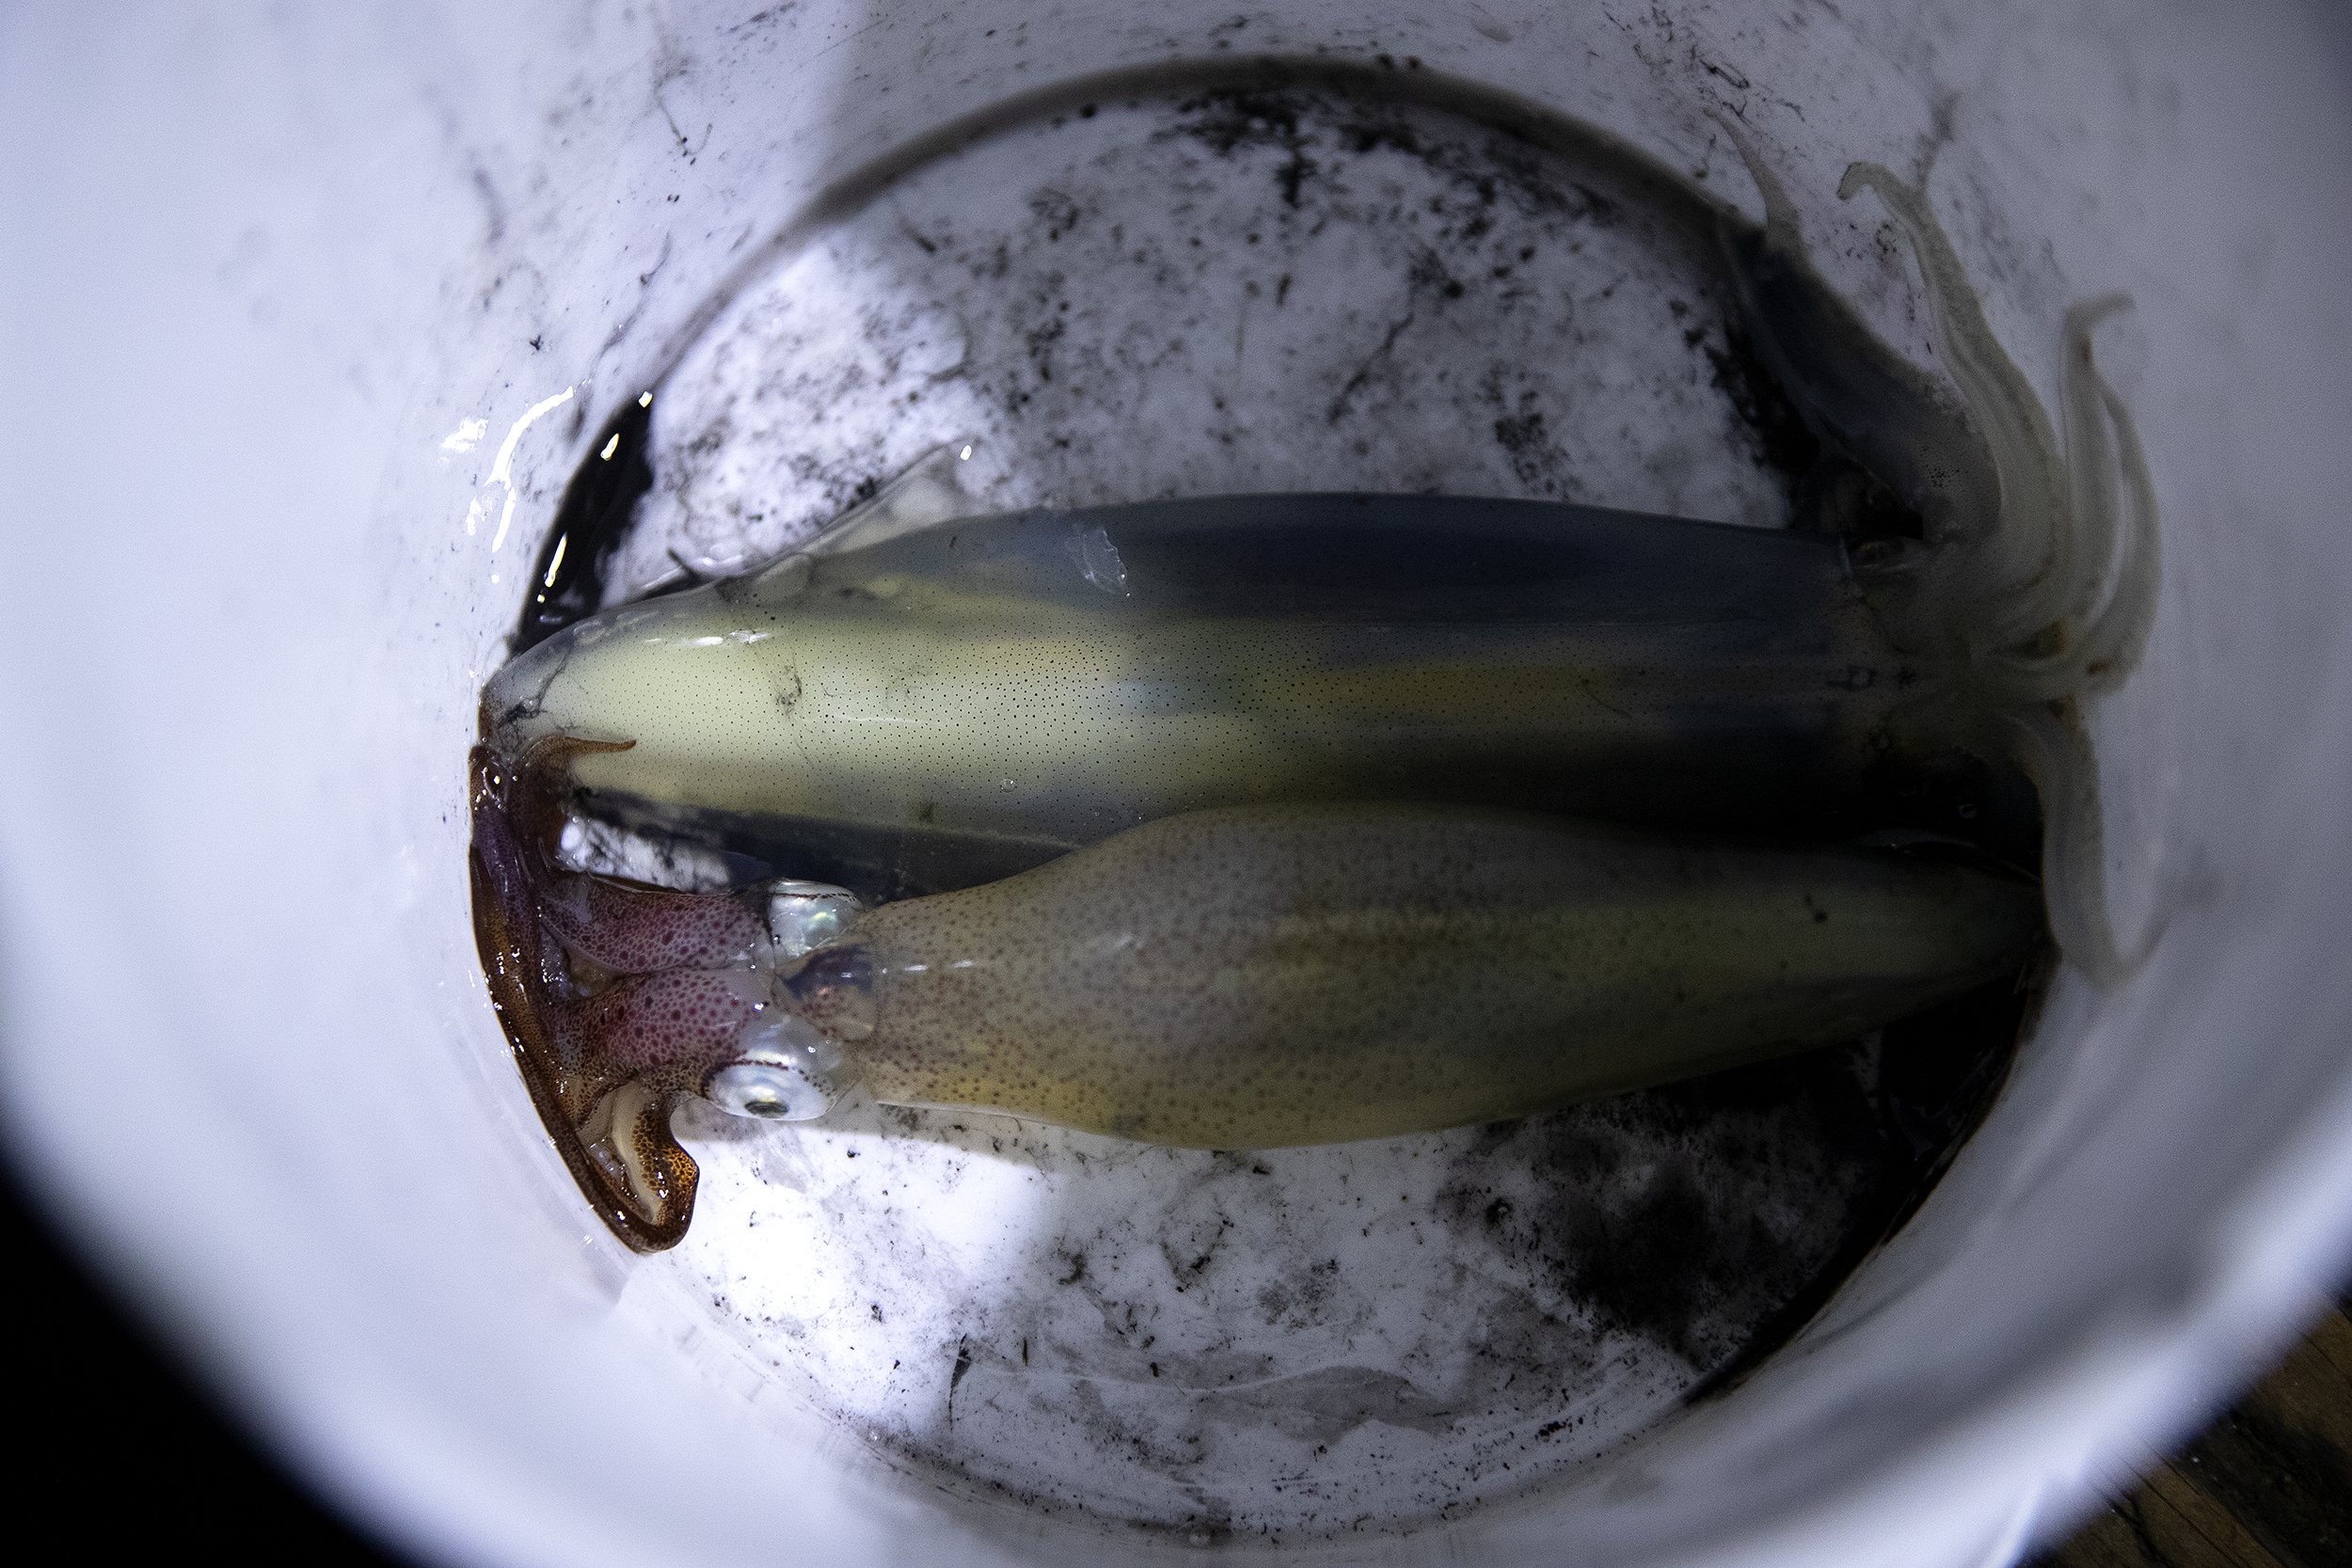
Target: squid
{"points": [[1265, 820]]}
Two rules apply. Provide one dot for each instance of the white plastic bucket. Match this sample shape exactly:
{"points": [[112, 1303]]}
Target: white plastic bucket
{"points": [[250, 1056]]}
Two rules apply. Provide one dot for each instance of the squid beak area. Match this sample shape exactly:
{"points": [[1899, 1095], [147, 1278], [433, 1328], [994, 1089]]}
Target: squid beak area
{"points": [[614, 1139]]}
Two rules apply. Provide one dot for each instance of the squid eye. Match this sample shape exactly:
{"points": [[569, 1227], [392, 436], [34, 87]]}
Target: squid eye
{"points": [[785, 1073], [773, 1091], [804, 916]]}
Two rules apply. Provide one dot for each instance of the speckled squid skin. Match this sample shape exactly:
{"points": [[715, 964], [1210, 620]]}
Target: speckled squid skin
{"points": [[1275, 976]]}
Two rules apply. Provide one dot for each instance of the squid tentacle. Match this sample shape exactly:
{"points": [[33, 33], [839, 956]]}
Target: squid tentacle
{"points": [[2118, 638], [669, 1024], [2045, 734], [638, 930], [2054, 598], [2010, 572], [2094, 508], [2114, 512], [2048, 743]]}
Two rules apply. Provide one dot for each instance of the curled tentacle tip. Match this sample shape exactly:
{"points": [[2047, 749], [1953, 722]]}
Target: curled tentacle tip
{"points": [[1859, 174]]}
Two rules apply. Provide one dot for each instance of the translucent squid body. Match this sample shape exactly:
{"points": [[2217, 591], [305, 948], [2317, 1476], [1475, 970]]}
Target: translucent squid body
{"points": [[1261, 820]]}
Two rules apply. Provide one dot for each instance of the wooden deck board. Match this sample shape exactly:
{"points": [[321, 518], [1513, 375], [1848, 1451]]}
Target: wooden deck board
{"points": [[2268, 1485]]}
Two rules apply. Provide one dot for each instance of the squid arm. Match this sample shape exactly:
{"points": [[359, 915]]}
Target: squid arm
{"points": [[2033, 593]]}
